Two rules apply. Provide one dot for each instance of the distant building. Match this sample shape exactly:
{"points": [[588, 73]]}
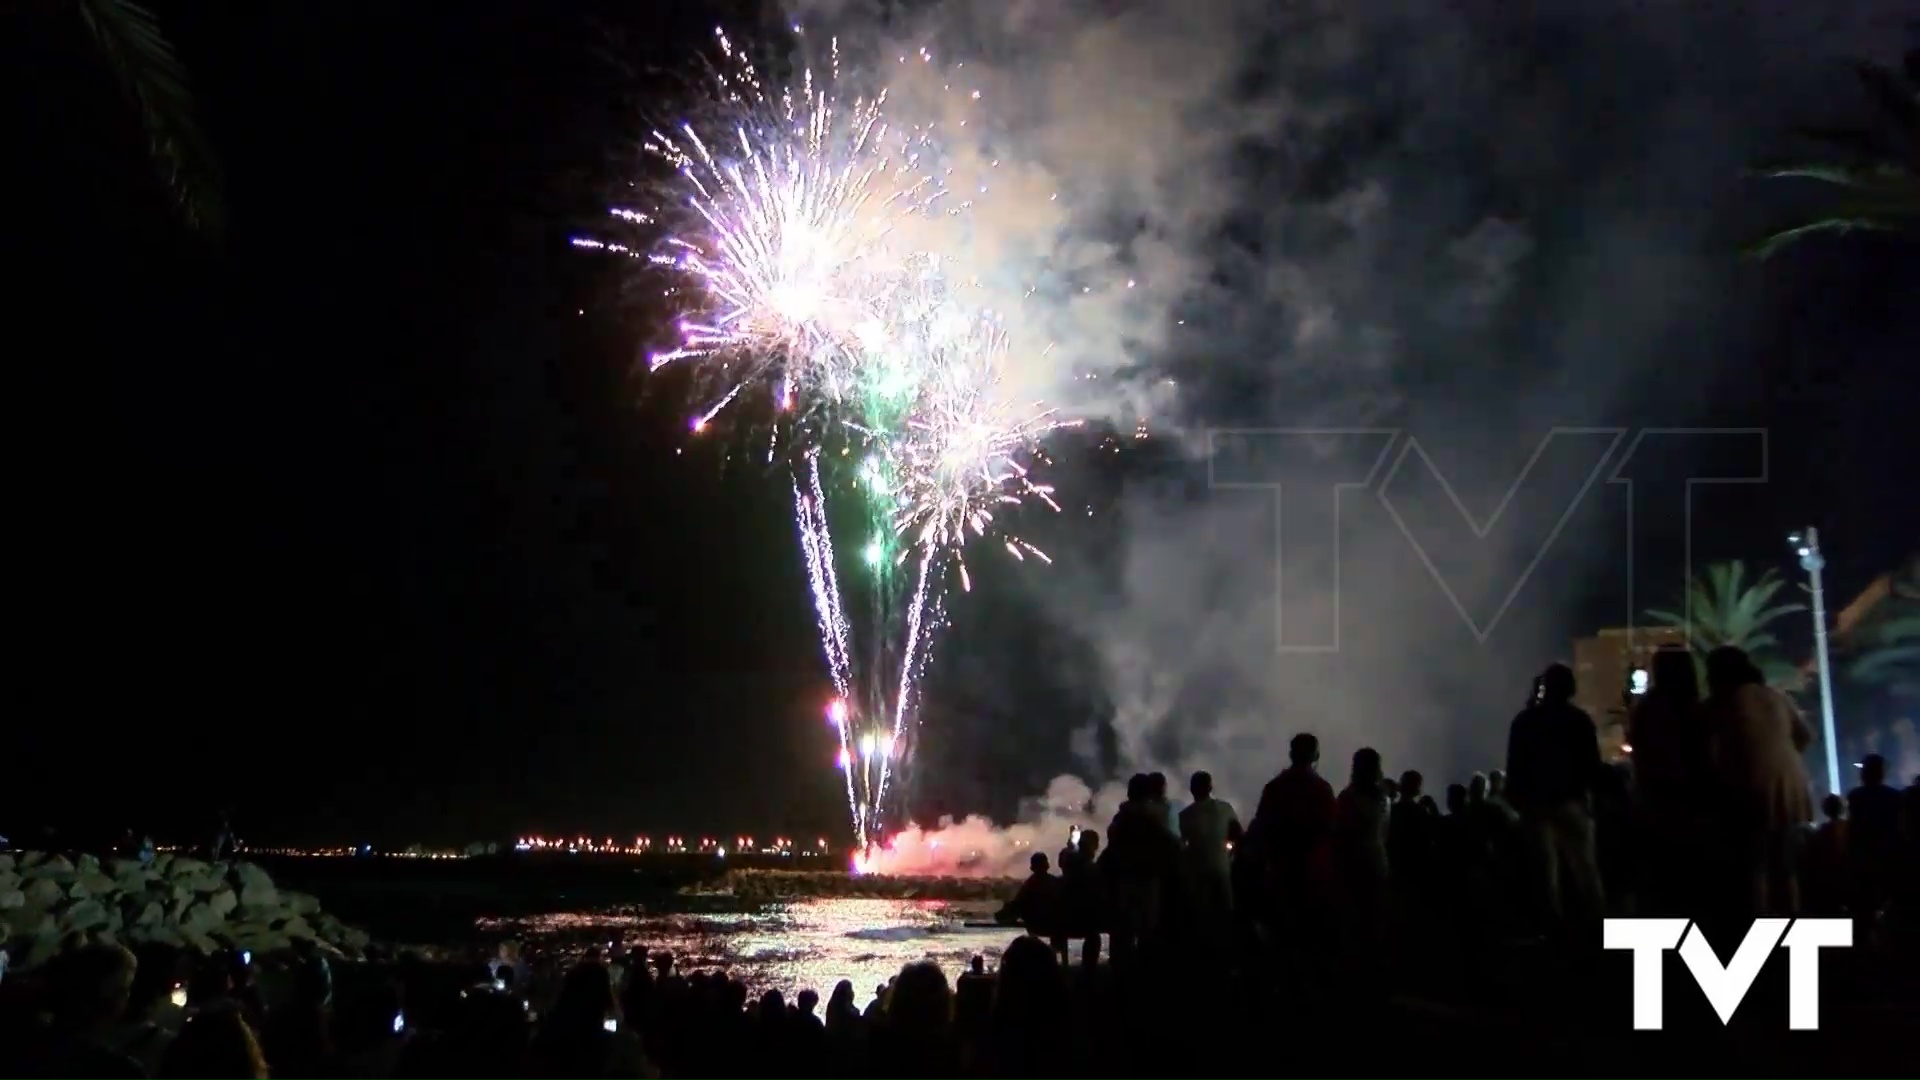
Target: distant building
{"points": [[1603, 667]]}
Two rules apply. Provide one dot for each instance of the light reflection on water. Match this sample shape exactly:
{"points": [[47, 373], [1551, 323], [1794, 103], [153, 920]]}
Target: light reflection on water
{"points": [[785, 946]]}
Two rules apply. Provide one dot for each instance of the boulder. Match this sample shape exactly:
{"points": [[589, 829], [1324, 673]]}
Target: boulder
{"points": [[256, 888], [201, 917], [222, 902], [300, 903], [88, 883], [84, 915], [6, 863], [43, 892], [156, 934], [28, 922], [12, 898], [38, 949], [259, 939], [53, 866], [9, 879], [185, 866], [86, 864], [127, 871], [150, 915]]}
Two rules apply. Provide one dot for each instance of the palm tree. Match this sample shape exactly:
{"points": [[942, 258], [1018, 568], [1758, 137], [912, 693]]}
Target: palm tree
{"points": [[1879, 171], [1888, 656], [128, 38], [1721, 608]]}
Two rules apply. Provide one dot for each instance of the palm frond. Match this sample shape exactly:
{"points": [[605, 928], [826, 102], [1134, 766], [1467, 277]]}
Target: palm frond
{"points": [[1769, 616], [1725, 608], [1876, 178], [129, 39], [1773, 243], [1876, 666], [1884, 175], [1887, 656], [1667, 618]]}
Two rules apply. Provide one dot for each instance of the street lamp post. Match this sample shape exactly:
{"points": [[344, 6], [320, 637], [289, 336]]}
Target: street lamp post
{"points": [[1807, 546]]}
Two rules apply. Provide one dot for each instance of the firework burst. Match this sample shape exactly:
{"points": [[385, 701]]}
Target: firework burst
{"points": [[796, 195], [783, 234], [969, 451]]}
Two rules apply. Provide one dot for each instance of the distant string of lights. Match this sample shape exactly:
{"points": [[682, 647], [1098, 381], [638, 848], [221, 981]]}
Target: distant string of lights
{"points": [[780, 846], [708, 846]]}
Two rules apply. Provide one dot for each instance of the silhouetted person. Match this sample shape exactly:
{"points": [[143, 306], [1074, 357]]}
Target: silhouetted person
{"points": [[1462, 840], [222, 845], [574, 1039], [843, 1012], [87, 994], [1289, 843], [1360, 827], [1410, 832], [1497, 787], [1208, 829], [1037, 906], [1553, 761], [299, 1033], [973, 999], [1157, 791], [1828, 879], [1756, 739], [1669, 739], [1874, 808], [1141, 858], [1084, 900], [1461, 860], [1031, 1028], [216, 1045], [144, 1030], [917, 1039]]}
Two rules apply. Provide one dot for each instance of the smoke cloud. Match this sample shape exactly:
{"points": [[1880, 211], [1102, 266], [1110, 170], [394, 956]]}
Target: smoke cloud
{"points": [[1468, 223]]}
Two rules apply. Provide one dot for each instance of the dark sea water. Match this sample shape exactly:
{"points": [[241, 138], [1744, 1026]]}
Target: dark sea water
{"points": [[568, 907], [786, 945]]}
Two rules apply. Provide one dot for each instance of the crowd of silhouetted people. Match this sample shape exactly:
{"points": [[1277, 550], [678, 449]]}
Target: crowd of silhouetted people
{"points": [[1295, 936]]}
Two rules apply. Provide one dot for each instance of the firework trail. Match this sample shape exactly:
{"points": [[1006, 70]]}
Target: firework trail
{"points": [[785, 239]]}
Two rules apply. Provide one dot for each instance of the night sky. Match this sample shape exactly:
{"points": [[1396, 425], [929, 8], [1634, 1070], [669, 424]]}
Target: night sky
{"points": [[357, 518]]}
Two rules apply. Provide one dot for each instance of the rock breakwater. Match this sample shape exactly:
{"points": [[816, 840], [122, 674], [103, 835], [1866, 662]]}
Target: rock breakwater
{"points": [[51, 902]]}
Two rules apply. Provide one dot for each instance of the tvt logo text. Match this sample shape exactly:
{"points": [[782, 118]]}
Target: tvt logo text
{"points": [[1726, 986]]}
